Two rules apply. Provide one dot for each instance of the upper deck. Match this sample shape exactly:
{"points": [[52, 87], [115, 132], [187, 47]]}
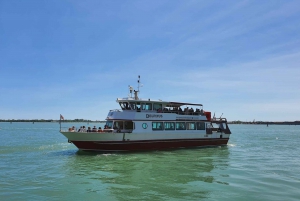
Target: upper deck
{"points": [[132, 107], [159, 106]]}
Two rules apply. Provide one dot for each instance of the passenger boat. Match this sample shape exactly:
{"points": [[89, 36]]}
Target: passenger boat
{"points": [[147, 124]]}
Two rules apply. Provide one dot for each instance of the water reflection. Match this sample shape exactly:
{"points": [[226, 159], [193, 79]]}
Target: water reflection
{"points": [[160, 175]]}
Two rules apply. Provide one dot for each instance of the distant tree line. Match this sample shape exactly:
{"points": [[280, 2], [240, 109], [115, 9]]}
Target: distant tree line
{"points": [[266, 122], [47, 120]]}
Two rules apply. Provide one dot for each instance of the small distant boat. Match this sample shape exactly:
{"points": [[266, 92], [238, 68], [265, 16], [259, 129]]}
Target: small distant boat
{"points": [[147, 124]]}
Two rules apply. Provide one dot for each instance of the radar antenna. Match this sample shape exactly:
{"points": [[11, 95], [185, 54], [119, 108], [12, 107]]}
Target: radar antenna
{"points": [[135, 92], [130, 91]]}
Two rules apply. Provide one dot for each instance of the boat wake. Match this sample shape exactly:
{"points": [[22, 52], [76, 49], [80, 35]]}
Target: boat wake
{"points": [[231, 145]]}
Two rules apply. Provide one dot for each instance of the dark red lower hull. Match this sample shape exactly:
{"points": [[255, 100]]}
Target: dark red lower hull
{"points": [[144, 145]]}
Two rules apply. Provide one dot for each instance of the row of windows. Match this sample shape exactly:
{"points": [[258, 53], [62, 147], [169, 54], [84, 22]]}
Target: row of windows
{"points": [[138, 106], [178, 126]]}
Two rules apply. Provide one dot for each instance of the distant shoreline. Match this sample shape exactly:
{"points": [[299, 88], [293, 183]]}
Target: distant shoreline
{"points": [[51, 121], [103, 121], [267, 122]]}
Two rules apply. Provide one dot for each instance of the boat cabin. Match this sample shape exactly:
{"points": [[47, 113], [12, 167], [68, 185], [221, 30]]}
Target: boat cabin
{"points": [[160, 107]]}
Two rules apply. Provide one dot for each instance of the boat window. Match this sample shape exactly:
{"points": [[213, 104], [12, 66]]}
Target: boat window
{"points": [[133, 106], [169, 126], [180, 125], [223, 126], [128, 125], [124, 106], [108, 124], [138, 106], [157, 106], [190, 126], [215, 125], [118, 125], [200, 126], [157, 126], [208, 125], [147, 106]]}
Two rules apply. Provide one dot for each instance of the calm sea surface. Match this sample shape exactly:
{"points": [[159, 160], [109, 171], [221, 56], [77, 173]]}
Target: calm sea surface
{"points": [[259, 163]]}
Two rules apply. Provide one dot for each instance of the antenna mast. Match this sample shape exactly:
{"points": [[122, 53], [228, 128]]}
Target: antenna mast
{"points": [[136, 92], [139, 83]]}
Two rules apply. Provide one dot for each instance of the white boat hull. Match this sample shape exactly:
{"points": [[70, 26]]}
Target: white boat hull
{"points": [[109, 142]]}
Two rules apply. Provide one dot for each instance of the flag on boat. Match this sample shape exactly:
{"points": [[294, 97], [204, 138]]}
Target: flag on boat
{"points": [[62, 117]]}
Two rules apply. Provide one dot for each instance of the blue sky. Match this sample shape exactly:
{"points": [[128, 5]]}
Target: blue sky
{"points": [[69, 57]]}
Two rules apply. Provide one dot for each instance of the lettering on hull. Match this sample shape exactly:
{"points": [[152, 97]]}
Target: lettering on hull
{"points": [[154, 116]]}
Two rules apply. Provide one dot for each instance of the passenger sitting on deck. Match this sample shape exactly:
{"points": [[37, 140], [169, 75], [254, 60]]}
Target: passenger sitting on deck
{"points": [[89, 129], [99, 129], [94, 129], [105, 127], [80, 129], [83, 129]]}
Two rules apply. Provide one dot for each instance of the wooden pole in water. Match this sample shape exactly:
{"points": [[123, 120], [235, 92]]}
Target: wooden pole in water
{"points": [[60, 117]]}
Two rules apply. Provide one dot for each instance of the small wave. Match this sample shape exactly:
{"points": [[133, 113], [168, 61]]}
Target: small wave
{"points": [[53, 146], [231, 145], [43, 147], [106, 155]]}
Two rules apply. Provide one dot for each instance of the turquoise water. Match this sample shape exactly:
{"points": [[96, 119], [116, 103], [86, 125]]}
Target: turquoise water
{"points": [[259, 163]]}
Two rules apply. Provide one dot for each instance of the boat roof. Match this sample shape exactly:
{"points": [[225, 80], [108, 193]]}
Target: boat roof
{"points": [[167, 103], [181, 103]]}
